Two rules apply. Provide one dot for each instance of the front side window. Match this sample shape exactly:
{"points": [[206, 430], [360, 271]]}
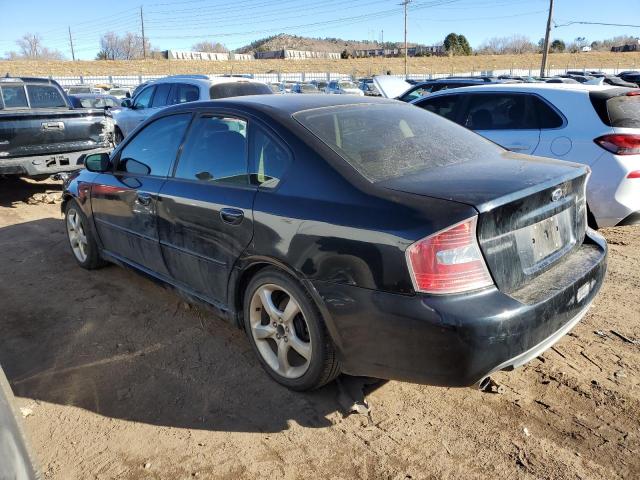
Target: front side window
{"points": [[144, 99], [383, 141], [14, 97], [215, 151], [269, 159], [499, 111], [444, 106], [45, 96], [154, 148]]}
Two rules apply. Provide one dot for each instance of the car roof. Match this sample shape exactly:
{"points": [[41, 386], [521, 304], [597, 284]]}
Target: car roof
{"points": [[527, 87], [288, 104], [204, 80]]}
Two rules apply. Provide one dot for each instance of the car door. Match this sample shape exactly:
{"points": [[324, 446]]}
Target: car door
{"points": [[129, 118], [124, 201], [183, 93], [508, 119], [205, 216]]}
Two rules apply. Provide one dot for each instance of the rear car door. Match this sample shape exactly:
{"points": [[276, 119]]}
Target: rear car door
{"points": [[205, 210], [183, 93], [508, 119], [124, 201]]}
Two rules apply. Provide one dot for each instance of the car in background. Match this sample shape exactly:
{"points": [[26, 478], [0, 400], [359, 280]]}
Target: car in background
{"points": [[120, 92], [395, 87], [77, 89], [320, 84], [41, 134], [368, 87], [630, 76], [287, 85], [598, 126], [179, 89], [304, 88], [420, 251], [94, 100], [343, 87], [16, 462]]}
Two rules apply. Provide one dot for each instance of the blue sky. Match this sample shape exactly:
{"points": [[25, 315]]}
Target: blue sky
{"points": [[178, 24]]}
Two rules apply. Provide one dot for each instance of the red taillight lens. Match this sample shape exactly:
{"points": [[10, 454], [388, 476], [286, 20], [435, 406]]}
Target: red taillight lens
{"points": [[634, 174], [449, 261], [620, 144], [633, 93]]}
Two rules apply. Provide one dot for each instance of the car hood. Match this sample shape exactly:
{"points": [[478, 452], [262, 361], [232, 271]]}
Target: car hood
{"points": [[390, 87], [487, 182]]}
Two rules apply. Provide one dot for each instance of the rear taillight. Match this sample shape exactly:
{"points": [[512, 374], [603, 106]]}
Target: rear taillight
{"points": [[448, 261], [634, 174], [620, 144]]}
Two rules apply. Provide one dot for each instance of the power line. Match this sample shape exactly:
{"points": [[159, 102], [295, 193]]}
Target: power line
{"points": [[596, 23]]}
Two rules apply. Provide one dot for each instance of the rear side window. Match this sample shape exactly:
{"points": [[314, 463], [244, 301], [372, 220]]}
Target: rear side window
{"points": [[499, 111], [153, 150], [161, 97], [215, 151], [238, 89], [184, 92], [14, 97], [383, 141], [624, 111], [547, 116], [444, 106], [269, 159], [45, 96]]}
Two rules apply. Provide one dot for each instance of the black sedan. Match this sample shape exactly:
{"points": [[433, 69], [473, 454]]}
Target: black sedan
{"points": [[347, 234]]}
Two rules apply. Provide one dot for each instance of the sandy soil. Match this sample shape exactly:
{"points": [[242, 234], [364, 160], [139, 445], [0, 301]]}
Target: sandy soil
{"points": [[361, 66], [126, 381]]}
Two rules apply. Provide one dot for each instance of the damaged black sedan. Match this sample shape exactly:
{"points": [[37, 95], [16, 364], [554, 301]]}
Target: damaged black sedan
{"points": [[347, 234]]}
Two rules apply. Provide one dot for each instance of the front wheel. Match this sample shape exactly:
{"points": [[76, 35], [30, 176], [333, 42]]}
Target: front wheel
{"points": [[83, 244], [287, 332]]}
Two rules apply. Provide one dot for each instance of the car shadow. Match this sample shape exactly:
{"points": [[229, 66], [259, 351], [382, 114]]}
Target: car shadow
{"points": [[117, 344], [16, 189]]}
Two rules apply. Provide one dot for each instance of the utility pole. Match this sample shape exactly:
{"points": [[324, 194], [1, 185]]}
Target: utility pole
{"points": [[545, 49], [73, 53], [144, 43], [405, 4]]}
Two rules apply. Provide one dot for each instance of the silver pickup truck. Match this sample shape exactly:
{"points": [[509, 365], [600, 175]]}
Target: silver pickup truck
{"points": [[41, 134]]}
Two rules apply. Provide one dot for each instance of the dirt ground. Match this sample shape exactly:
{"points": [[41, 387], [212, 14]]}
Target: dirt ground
{"points": [[125, 381]]}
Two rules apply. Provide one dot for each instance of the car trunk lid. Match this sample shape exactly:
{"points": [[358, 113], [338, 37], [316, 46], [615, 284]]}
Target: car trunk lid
{"points": [[390, 87], [532, 211]]}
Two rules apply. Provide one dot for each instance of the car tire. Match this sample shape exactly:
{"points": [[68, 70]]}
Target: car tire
{"points": [[290, 340], [81, 239]]}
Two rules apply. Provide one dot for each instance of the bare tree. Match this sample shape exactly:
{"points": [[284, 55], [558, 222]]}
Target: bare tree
{"points": [[515, 44], [127, 47], [31, 47], [209, 47]]}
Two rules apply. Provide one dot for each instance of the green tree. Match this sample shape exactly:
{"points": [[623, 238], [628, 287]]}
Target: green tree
{"points": [[557, 46], [451, 44], [463, 44]]}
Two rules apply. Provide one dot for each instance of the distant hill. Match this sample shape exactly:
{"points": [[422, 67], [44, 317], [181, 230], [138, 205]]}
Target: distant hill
{"points": [[294, 42]]}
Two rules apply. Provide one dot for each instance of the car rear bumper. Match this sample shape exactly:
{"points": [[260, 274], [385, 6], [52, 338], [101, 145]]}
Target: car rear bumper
{"points": [[42, 165], [457, 340]]}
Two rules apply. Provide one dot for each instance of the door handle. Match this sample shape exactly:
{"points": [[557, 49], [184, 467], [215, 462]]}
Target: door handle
{"points": [[232, 216], [143, 199]]}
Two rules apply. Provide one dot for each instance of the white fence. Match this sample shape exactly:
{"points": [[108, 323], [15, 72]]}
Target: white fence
{"points": [[133, 80]]}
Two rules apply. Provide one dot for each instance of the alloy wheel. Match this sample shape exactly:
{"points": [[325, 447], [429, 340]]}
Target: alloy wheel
{"points": [[280, 331], [77, 236]]}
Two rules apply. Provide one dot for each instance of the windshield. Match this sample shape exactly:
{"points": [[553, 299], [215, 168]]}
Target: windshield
{"points": [[624, 111], [383, 141], [308, 88], [347, 85], [79, 89]]}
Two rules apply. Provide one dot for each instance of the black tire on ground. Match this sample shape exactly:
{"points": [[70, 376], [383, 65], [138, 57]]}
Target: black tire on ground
{"points": [[93, 259], [324, 365]]}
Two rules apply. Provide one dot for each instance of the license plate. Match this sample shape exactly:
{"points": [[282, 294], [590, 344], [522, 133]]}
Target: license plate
{"points": [[545, 239]]}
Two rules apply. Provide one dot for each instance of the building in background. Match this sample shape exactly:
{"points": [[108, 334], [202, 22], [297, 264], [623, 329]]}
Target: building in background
{"points": [[286, 54], [629, 47]]}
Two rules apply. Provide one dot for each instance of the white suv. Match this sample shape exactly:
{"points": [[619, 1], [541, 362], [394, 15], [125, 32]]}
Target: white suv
{"points": [[594, 125], [176, 89]]}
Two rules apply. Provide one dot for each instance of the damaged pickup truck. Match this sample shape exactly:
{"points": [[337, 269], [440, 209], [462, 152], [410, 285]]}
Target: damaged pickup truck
{"points": [[41, 134]]}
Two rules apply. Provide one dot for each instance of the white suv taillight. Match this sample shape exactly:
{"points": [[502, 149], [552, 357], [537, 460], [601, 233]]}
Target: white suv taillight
{"points": [[448, 261]]}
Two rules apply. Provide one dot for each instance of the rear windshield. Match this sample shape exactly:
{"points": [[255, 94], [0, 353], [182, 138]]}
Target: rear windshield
{"points": [[44, 96], [238, 89], [383, 141], [624, 111]]}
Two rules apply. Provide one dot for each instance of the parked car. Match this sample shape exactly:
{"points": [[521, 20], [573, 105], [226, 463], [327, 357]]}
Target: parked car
{"points": [[303, 87], [368, 87], [630, 76], [120, 92], [598, 126], [93, 100], [78, 89], [179, 89], [420, 251], [394, 87], [343, 87], [16, 462], [41, 134], [320, 84]]}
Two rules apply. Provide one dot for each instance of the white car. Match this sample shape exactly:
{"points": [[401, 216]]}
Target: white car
{"points": [[594, 125], [343, 87], [120, 92], [177, 89]]}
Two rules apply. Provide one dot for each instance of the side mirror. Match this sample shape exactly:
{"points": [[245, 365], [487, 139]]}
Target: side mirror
{"points": [[97, 162], [127, 103]]}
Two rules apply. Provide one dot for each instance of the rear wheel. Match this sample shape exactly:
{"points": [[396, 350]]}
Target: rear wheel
{"points": [[83, 244], [287, 332]]}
